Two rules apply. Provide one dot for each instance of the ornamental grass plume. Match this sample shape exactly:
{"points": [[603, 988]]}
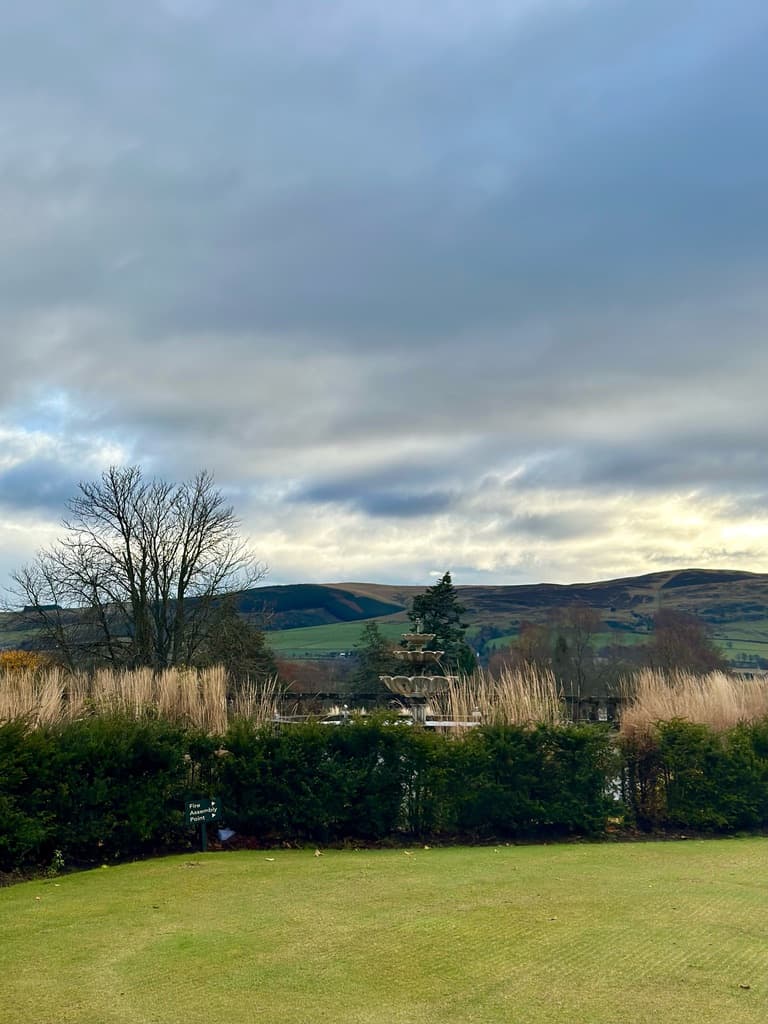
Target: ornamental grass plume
{"points": [[188, 696], [717, 699], [526, 696], [257, 702], [33, 695]]}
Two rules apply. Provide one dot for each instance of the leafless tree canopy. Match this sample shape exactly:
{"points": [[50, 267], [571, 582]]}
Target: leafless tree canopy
{"points": [[136, 577]]}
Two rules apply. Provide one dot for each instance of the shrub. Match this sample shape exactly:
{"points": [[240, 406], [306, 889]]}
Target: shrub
{"points": [[27, 821], [688, 775], [22, 661], [120, 787], [712, 782], [551, 780]]}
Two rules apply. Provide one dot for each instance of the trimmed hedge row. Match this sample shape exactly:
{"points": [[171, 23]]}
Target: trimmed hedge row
{"points": [[94, 790], [690, 777], [373, 782], [112, 788]]}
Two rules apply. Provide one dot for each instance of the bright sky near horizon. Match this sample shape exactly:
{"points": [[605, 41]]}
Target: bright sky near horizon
{"points": [[477, 286]]}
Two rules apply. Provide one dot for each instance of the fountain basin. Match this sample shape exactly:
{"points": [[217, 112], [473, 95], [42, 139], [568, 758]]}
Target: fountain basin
{"points": [[418, 657], [418, 640], [416, 686]]}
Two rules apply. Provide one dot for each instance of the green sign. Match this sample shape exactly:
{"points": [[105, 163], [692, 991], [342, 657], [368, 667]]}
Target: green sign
{"points": [[198, 812]]}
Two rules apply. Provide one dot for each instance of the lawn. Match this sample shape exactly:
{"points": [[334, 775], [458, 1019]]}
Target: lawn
{"points": [[648, 932]]}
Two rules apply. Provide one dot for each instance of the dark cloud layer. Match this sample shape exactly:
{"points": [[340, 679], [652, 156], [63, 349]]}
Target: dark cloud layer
{"points": [[39, 485], [495, 272]]}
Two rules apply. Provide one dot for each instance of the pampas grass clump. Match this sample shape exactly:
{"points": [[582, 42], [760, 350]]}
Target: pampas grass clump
{"points": [[718, 700], [517, 697], [188, 696]]}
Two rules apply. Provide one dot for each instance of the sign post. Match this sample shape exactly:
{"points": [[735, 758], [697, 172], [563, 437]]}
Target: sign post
{"points": [[200, 812]]}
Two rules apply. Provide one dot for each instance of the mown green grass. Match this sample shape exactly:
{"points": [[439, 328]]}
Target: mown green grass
{"points": [[656, 932]]}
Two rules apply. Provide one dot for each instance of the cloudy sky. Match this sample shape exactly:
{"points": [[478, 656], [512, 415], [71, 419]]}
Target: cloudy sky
{"points": [[470, 285]]}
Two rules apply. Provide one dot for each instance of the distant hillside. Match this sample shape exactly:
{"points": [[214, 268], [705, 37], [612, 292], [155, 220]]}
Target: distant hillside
{"points": [[308, 604], [716, 597], [733, 604]]}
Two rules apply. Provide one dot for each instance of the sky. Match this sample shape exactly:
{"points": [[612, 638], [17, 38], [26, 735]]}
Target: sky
{"points": [[477, 286]]}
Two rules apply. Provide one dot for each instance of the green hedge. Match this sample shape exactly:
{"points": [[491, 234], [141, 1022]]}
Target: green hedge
{"points": [[98, 789], [690, 777], [313, 782], [516, 782], [27, 818], [112, 788]]}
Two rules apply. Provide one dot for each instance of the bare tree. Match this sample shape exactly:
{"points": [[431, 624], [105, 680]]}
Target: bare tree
{"points": [[572, 632], [137, 576], [681, 641]]}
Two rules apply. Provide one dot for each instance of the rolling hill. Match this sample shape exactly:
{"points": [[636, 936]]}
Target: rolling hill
{"points": [[733, 604], [314, 619]]}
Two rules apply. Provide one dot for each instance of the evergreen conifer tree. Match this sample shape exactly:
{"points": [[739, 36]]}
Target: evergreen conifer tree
{"points": [[439, 611], [374, 659]]}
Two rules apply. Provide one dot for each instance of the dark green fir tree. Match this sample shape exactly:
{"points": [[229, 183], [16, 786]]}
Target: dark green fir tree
{"points": [[439, 611]]}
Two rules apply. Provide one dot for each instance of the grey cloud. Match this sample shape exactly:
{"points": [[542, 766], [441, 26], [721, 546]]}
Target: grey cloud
{"points": [[716, 465], [284, 241], [298, 191], [403, 505], [397, 502], [556, 526], [41, 485]]}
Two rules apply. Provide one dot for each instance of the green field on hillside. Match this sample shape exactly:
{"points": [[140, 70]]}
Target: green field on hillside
{"points": [[320, 641], [648, 933], [316, 641]]}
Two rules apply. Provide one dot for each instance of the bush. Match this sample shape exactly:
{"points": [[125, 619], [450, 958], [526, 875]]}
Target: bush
{"points": [[372, 781], [119, 787], [712, 781], [273, 784], [312, 782], [691, 776], [516, 782], [27, 821], [114, 787]]}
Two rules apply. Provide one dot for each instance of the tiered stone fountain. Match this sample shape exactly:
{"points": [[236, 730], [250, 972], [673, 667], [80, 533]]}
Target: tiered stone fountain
{"points": [[417, 689]]}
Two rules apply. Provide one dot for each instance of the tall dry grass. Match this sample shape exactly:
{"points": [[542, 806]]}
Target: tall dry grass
{"points": [[517, 697], [259, 702], [718, 700], [196, 698], [36, 696]]}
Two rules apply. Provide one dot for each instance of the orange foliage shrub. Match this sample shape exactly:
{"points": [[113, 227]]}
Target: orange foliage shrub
{"points": [[22, 661]]}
